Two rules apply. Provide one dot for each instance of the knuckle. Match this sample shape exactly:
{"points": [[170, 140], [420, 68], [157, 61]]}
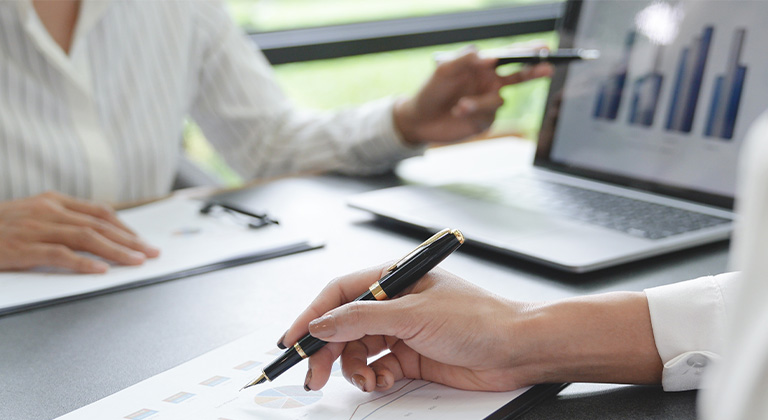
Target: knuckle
{"points": [[353, 313], [88, 234], [98, 225], [50, 195], [444, 68], [57, 253], [102, 210], [46, 205], [84, 236], [334, 283], [335, 287]]}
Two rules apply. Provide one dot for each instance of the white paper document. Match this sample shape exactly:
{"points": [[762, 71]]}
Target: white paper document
{"points": [[187, 240], [208, 388]]}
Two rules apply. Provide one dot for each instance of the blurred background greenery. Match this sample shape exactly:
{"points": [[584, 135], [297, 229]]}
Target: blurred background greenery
{"points": [[348, 81], [272, 15]]}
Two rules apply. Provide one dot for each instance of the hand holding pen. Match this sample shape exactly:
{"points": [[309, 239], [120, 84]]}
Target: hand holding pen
{"points": [[442, 329], [393, 281]]}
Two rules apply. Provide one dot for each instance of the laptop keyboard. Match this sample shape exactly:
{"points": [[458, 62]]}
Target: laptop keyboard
{"points": [[635, 217]]}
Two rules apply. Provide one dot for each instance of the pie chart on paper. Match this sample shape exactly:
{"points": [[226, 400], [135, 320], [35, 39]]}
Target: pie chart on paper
{"points": [[287, 397]]}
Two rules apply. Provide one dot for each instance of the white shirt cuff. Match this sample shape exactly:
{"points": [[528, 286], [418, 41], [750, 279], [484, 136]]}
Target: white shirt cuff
{"points": [[689, 320]]}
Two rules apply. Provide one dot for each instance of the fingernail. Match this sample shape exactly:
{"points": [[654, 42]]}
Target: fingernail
{"points": [[359, 381], [306, 381], [98, 266], [136, 256], [280, 344], [381, 381], [323, 327]]}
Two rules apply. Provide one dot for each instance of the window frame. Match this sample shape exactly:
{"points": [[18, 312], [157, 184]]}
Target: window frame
{"points": [[335, 41]]}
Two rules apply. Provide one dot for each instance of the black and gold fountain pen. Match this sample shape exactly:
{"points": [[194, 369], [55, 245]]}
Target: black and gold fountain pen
{"points": [[399, 275]]}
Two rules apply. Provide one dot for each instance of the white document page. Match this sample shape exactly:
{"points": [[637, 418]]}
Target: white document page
{"points": [[208, 388], [186, 238]]}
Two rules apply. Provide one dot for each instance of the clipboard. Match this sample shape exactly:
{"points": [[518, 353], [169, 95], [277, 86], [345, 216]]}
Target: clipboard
{"points": [[524, 403], [190, 244]]}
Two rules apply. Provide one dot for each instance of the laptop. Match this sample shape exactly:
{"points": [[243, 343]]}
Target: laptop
{"points": [[638, 150]]}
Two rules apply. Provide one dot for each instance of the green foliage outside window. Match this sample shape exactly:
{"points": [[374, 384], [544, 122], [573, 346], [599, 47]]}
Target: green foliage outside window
{"points": [[271, 15], [348, 81]]}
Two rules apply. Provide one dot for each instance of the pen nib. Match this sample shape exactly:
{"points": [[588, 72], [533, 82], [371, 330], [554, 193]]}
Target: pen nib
{"points": [[260, 380]]}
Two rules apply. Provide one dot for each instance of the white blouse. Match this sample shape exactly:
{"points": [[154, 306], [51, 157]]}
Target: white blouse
{"points": [[105, 121]]}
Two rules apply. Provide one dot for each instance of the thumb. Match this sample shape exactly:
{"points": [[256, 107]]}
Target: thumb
{"points": [[478, 104], [357, 319]]}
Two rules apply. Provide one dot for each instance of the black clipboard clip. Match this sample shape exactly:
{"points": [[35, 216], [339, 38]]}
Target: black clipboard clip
{"points": [[245, 216]]}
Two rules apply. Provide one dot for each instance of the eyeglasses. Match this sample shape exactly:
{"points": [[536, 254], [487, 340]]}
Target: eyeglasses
{"points": [[244, 216]]}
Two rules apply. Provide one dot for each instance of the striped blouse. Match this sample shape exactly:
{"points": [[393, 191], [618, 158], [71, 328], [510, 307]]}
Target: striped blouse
{"points": [[105, 121]]}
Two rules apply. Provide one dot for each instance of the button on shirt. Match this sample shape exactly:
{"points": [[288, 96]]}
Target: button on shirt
{"points": [[105, 122], [689, 322]]}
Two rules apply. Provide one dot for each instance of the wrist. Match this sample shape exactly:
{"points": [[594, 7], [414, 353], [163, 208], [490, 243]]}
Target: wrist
{"points": [[602, 338], [406, 122]]}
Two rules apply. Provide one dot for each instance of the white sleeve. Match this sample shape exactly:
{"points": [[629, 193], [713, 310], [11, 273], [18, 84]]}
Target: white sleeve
{"points": [[689, 321], [250, 121]]}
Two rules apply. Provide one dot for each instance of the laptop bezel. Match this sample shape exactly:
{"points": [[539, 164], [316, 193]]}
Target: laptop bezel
{"points": [[567, 27]]}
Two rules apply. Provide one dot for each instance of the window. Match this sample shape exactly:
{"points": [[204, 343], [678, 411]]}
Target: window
{"points": [[340, 82], [273, 15], [346, 52]]}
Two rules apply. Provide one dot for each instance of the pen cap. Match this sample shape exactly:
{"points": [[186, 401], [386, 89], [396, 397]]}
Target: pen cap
{"points": [[420, 263]]}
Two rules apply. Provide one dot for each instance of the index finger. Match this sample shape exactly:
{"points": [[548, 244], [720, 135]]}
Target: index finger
{"points": [[100, 211], [528, 73], [339, 291]]}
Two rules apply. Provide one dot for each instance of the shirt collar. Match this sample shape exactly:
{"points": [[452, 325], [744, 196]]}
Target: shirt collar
{"points": [[91, 11]]}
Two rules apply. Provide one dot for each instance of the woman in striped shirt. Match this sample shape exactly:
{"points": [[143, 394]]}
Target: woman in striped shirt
{"points": [[93, 95]]}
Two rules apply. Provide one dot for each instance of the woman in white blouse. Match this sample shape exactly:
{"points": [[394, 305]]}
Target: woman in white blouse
{"points": [[714, 327], [93, 94]]}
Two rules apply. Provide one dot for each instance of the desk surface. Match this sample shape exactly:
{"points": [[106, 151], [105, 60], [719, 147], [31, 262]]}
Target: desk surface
{"points": [[56, 359]]}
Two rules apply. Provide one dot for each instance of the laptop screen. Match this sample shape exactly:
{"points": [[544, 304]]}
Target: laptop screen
{"points": [[668, 104]]}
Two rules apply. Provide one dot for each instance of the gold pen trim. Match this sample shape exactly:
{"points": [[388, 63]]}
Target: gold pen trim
{"points": [[378, 292], [424, 244], [300, 351], [263, 377]]}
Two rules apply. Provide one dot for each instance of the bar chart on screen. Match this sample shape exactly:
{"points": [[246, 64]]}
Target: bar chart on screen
{"points": [[685, 86], [688, 80], [611, 90], [724, 105], [676, 88]]}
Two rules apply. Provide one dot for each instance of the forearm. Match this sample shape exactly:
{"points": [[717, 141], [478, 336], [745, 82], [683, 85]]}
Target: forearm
{"points": [[601, 338]]}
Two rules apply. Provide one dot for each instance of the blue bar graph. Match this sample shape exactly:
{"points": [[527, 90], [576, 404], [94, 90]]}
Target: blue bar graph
{"points": [[726, 97], [645, 95], [610, 92], [689, 75]]}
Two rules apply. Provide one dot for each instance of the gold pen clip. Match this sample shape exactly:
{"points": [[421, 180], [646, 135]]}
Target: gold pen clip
{"points": [[426, 243]]}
